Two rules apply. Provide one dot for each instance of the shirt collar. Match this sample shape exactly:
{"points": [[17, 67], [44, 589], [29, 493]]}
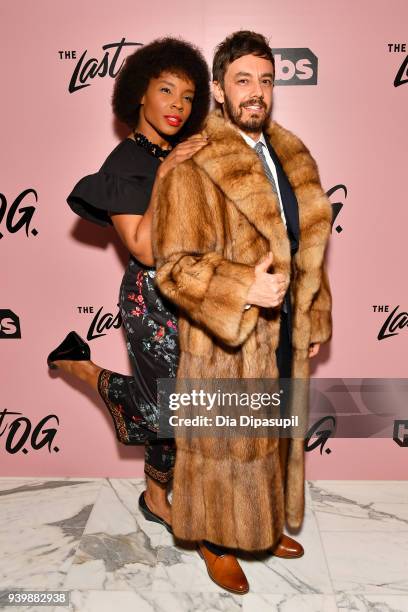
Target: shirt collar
{"points": [[251, 142]]}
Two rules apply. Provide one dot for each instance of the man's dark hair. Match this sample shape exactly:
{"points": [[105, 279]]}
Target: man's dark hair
{"points": [[237, 45], [162, 55]]}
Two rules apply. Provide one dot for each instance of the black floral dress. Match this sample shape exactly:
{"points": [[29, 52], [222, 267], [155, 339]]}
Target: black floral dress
{"points": [[124, 185]]}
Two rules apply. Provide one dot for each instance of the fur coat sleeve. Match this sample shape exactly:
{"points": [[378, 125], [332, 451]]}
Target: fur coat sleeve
{"points": [[192, 271]]}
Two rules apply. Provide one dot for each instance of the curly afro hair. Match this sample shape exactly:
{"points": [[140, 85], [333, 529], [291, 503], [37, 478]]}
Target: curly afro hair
{"points": [[162, 55]]}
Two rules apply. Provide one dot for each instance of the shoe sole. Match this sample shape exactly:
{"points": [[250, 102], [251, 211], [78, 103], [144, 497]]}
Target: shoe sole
{"points": [[155, 520], [149, 516], [289, 556], [217, 583]]}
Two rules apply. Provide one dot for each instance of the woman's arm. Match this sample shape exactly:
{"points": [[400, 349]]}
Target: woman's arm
{"points": [[135, 230]]}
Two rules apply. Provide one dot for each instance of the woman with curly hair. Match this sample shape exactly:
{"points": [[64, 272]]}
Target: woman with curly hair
{"points": [[162, 94]]}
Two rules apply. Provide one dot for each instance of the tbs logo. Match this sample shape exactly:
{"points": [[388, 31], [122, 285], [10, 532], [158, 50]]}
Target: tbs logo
{"points": [[9, 325], [400, 439], [295, 67]]}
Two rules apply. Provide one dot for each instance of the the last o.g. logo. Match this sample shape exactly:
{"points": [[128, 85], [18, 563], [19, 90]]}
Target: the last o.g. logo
{"points": [[87, 68]]}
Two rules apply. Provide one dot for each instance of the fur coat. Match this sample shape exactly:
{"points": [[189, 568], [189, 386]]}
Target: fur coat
{"points": [[216, 217]]}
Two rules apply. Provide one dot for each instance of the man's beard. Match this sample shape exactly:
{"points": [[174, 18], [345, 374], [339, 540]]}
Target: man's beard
{"points": [[254, 124]]}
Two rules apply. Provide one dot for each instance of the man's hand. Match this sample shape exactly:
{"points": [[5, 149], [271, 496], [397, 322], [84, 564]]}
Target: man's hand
{"points": [[314, 348], [268, 290]]}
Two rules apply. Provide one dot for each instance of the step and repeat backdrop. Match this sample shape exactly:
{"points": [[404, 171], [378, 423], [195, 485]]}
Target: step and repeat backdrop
{"points": [[342, 86]]}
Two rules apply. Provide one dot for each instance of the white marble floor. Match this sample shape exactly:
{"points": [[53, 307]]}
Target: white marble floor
{"points": [[87, 536]]}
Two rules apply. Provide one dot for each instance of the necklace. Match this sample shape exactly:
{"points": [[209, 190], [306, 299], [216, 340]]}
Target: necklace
{"points": [[153, 149]]}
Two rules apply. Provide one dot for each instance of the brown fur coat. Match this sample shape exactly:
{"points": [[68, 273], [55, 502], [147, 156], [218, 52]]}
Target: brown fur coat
{"points": [[216, 218]]}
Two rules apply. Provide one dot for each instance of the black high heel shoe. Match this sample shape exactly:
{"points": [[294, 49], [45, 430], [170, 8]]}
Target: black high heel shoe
{"points": [[151, 516], [72, 348]]}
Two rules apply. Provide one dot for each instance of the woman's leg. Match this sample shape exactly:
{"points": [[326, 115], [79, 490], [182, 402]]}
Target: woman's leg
{"points": [[159, 466], [136, 423], [132, 427], [152, 343], [84, 370], [156, 498], [151, 332]]}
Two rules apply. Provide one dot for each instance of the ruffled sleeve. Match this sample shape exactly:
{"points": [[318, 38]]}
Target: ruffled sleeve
{"points": [[97, 194], [123, 186]]}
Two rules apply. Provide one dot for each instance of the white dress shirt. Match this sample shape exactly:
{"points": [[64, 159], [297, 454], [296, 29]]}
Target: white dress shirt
{"points": [[271, 165]]}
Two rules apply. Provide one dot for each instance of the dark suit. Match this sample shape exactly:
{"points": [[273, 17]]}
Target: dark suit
{"points": [[291, 210]]}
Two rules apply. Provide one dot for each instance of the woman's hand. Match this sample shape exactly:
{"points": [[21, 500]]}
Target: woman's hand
{"points": [[184, 150]]}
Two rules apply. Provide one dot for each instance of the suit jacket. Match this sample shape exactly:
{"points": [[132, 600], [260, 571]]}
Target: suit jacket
{"points": [[216, 217]]}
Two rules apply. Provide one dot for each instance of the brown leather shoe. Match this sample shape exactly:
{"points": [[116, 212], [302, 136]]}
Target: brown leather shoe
{"points": [[224, 570], [288, 548]]}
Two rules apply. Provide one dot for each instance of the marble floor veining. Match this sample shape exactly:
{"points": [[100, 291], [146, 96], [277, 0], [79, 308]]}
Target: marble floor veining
{"points": [[87, 537]]}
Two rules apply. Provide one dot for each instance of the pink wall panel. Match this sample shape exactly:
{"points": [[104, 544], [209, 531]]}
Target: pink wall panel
{"points": [[353, 120]]}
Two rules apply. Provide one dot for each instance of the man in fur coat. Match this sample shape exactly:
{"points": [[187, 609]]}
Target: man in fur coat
{"points": [[240, 234]]}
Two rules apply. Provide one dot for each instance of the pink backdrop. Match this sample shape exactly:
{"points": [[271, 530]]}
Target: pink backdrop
{"points": [[353, 120]]}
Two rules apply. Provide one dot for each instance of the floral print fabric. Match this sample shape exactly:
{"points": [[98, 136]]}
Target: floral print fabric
{"points": [[152, 343]]}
